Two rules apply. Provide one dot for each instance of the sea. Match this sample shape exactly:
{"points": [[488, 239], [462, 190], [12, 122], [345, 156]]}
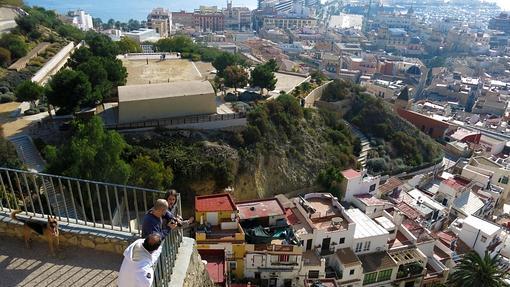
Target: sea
{"points": [[123, 10]]}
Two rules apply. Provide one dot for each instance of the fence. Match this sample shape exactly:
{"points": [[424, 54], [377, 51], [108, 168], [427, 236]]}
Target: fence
{"points": [[177, 121], [165, 263], [77, 201]]}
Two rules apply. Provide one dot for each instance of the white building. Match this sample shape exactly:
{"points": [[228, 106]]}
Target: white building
{"points": [[143, 35], [368, 235], [322, 224], [479, 235], [357, 182], [82, 20]]}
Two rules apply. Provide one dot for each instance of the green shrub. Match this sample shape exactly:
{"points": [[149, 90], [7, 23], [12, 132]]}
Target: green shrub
{"points": [[7, 98]]}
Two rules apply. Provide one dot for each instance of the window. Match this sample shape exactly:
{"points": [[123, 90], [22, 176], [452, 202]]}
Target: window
{"points": [[384, 275], [232, 265], [342, 240], [483, 239], [369, 278], [314, 274], [372, 187], [283, 258], [367, 246], [358, 247], [351, 272]]}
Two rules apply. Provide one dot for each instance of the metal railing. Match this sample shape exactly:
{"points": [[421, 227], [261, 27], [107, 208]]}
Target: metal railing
{"points": [[177, 121], [166, 261], [83, 202]]}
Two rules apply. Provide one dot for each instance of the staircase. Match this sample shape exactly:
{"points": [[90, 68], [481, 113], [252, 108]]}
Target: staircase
{"points": [[32, 159], [28, 153], [365, 145]]}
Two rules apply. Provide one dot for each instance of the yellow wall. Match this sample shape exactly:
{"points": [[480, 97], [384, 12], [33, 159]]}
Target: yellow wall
{"points": [[142, 110], [222, 215]]}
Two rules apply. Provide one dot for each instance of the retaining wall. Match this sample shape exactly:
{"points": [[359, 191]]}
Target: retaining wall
{"points": [[73, 235]]}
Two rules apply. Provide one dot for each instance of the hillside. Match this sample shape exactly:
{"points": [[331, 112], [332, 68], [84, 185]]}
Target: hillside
{"points": [[283, 149], [398, 146]]}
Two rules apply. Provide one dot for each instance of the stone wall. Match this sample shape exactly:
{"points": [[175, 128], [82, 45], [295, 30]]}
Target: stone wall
{"points": [[189, 270], [73, 235]]}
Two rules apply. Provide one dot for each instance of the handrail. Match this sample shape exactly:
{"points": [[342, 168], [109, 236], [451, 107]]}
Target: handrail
{"points": [[78, 201]]}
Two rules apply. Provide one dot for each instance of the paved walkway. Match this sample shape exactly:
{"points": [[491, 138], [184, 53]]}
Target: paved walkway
{"points": [[70, 267]]}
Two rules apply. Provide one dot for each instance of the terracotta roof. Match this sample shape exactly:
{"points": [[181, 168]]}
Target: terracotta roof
{"points": [[408, 210], [347, 257], [351, 173], [390, 185], [369, 199], [455, 184], [376, 261], [259, 208], [214, 202]]}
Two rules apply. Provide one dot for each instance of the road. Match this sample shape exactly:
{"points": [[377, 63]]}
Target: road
{"points": [[70, 267]]}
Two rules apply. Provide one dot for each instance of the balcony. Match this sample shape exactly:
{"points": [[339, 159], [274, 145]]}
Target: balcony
{"points": [[408, 271], [225, 232]]}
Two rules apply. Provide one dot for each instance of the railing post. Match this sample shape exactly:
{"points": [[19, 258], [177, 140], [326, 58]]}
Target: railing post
{"points": [[100, 204], [109, 206], [29, 193], [72, 199], [127, 209], [4, 190], [91, 205]]}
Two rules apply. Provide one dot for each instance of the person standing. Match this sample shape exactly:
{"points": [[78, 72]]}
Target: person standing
{"points": [[139, 258], [153, 220]]}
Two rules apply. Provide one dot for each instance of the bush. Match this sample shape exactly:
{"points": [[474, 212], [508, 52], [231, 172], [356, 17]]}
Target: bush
{"points": [[5, 57], [7, 98], [30, 112], [231, 97]]}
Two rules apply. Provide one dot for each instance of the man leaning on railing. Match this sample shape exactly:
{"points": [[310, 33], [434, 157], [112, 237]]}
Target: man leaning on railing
{"points": [[153, 219], [139, 257]]}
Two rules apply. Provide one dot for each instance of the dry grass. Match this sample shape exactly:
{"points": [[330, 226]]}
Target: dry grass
{"points": [[160, 71]]}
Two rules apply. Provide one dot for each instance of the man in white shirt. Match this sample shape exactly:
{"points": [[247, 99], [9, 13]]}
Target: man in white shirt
{"points": [[139, 258]]}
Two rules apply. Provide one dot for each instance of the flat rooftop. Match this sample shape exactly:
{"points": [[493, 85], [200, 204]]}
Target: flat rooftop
{"points": [[214, 203], [259, 208], [347, 257], [164, 90], [376, 261], [171, 70], [325, 211], [365, 226], [486, 227]]}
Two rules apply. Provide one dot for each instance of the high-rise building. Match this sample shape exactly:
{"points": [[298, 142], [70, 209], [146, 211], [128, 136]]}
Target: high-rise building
{"points": [[500, 23], [82, 20], [160, 19]]}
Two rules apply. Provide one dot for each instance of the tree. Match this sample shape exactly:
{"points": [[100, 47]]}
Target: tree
{"points": [[81, 55], [235, 77], [474, 271], [177, 43], [8, 156], [92, 153], [330, 179], [263, 77], [224, 60], [128, 45], [15, 44], [150, 174], [133, 25], [68, 90], [95, 70], [101, 45], [5, 57], [29, 91], [272, 65]]}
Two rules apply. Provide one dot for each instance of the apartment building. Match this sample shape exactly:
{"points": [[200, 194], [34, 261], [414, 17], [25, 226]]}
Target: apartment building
{"points": [[219, 228], [288, 22], [237, 18], [160, 19], [358, 182], [208, 19]]}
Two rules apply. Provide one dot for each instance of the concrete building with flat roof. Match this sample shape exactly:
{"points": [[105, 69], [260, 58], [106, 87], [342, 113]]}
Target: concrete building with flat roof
{"points": [[165, 100]]}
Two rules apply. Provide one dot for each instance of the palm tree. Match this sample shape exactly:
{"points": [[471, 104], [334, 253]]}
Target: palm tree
{"points": [[474, 271]]}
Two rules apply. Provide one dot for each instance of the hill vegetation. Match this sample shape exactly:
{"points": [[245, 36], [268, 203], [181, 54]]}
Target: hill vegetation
{"points": [[398, 145]]}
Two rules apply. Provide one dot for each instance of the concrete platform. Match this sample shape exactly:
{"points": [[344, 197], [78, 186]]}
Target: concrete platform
{"points": [[20, 266]]}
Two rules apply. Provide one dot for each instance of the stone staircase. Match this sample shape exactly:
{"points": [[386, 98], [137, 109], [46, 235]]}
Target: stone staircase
{"points": [[365, 145], [28, 153], [32, 159]]}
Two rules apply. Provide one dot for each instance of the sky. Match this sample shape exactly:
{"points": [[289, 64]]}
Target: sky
{"points": [[504, 4]]}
